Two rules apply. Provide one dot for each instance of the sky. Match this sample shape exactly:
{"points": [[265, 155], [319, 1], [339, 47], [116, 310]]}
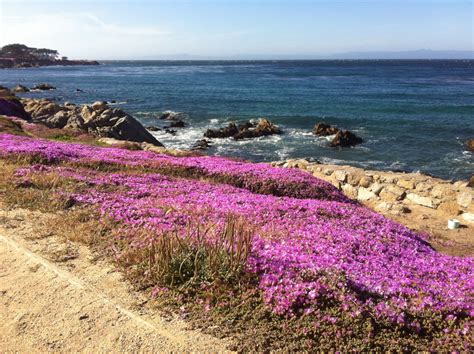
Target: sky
{"points": [[228, 29]]}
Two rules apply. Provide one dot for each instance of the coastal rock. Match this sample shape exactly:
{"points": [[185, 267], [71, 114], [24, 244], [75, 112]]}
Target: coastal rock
{"points": [[420, 200], [263, 128], [246, 130], [449, 208], [178, 123], [20, 89], [342, 138], [469, 217], [11, 106], [43, 87], [153, 128], [470, 144], [365, 194], [324, 129], [392, 193], [340, 175], [350, 191], [225, 132], [171, 115], [406, 183], [202, 144], [465, 199], [97, 119], [345, 139], [366, 181]]}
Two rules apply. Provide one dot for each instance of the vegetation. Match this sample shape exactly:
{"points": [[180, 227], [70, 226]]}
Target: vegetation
{"points": [[275, 258], [21, 51]]}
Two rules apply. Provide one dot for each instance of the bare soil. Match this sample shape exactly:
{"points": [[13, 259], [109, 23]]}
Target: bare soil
{"points": [[56, 295]]}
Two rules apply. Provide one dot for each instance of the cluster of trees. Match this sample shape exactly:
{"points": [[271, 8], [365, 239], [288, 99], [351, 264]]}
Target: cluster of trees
{"points": [[21, 51]]}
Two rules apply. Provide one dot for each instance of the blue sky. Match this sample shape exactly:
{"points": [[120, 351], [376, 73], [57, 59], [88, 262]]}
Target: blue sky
{"points": [[145, 29]]}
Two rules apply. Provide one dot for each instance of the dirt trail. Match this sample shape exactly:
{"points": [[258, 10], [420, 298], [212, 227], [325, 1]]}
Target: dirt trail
{"points": [[55, 295]]}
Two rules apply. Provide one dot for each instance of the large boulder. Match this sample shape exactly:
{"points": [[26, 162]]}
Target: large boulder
{"points": [[97, 119], [11, 106], [342, 138], [470, 144], [345, 139]]}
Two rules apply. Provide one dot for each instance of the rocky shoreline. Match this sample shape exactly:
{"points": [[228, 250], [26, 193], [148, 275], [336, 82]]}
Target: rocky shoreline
{"points": [[421, 202]]}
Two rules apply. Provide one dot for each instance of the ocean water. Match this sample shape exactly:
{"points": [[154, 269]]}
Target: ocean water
{"points": [[412, 115]]}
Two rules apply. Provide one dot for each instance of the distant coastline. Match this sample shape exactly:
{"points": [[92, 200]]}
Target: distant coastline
{"points": [[21, 56], [14, 63]]}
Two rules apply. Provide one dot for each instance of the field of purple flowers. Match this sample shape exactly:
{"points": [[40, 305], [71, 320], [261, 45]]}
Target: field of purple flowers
{"points": [[311, 249]]}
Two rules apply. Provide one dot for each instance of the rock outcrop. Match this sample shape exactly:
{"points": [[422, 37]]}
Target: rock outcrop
{"points": [[201, 145], [11, 106], [43, 87], [245, 131], [97, 119], [342, 138], [470, 144], [20, 89]]}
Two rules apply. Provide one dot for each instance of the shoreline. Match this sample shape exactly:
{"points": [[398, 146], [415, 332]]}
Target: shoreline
{"points": [[421, 202], [14, 63]]}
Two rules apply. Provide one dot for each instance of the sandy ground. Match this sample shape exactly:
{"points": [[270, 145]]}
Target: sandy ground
{"points": [[57, 296]]}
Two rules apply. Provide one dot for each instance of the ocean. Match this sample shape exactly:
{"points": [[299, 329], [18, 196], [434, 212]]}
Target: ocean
{"points": [[412, 115]]}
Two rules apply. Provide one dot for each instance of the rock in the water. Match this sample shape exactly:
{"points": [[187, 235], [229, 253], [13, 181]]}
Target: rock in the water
{"points": [[246, 130], [470, 144], [153, 128], [225, 132], [263, 128], [171, 115], [342, 138], [20, 89], [177, 124], [202, 144], [345, 139], [11, 106], [43, 87], [324, 129]]}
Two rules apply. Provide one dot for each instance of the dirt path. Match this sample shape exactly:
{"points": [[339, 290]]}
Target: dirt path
{"points": [[75, 303]]}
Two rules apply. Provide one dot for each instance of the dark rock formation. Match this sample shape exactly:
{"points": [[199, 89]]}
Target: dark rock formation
{"points": [[201, 145], [170, 115], [342, 138], [244, 131], [153, 128], [97, 119], [345, 138], [11, 106], [177, 124], [43, 87], [323, 129], [225, 132], [20, 89], [263, 128], [470, 144]]}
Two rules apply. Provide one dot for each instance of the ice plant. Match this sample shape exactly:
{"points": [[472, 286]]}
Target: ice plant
{"points": [[311, 246]]}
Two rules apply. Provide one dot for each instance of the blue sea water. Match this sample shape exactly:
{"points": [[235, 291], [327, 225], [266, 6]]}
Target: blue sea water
{"points": [[413, 115]]}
